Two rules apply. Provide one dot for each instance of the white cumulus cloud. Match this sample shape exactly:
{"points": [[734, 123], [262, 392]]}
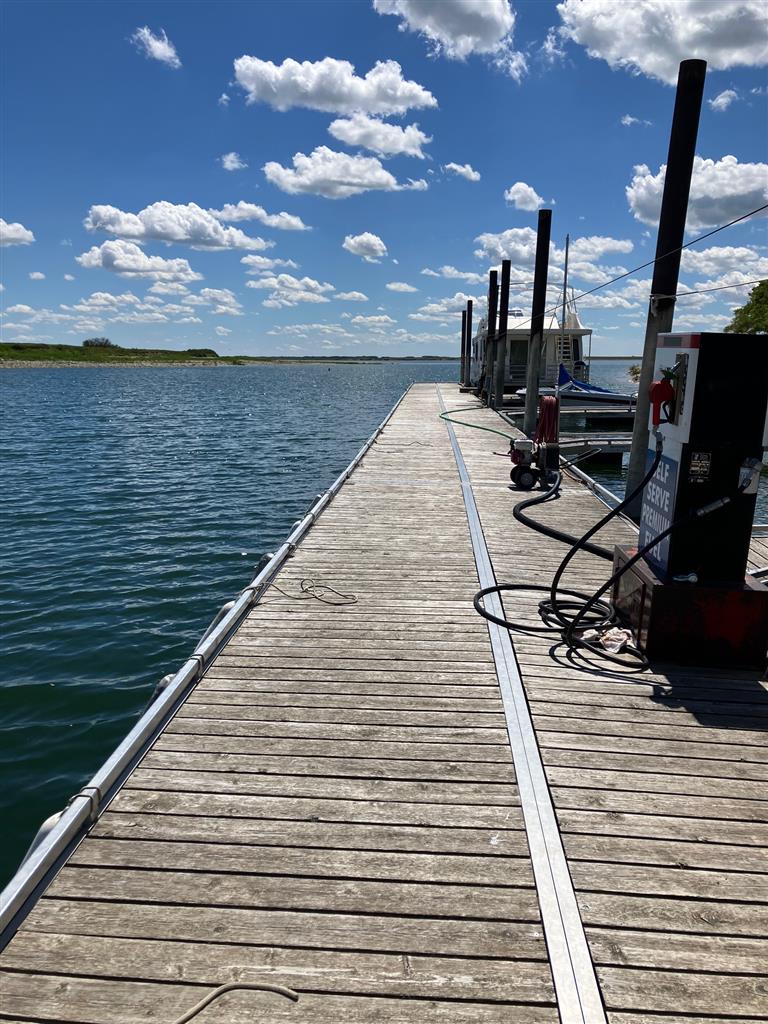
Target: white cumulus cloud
{"points": [[330, 85], [69, 277], [155, 47], [250, 211], [652, 37], [262, 264], [223, 301], [724, 99], [460, 28], [628, 121], [523, 197], [36, 275], [366, 245], [372, 321], [720, 191], [722, 259], [223, 331], [380, 136], [14, 234], [400, 286], [128, 260], [287, 290], [232, 162], [444, 309], [470, 276], [186, 223], [464, 171], [335, 175], [351, 296]]}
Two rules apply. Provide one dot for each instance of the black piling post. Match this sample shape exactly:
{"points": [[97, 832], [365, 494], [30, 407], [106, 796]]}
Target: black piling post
{"points": [[462, 367], [500, 366], [536, 342], [490, 337], [666, 270], [468, 334]]}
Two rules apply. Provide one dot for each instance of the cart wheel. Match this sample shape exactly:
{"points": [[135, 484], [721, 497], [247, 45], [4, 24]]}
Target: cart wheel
{"points": [[524, 478]]}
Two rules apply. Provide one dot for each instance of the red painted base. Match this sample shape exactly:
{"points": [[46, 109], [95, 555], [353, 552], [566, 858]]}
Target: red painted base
{"points": [[690, 624]]}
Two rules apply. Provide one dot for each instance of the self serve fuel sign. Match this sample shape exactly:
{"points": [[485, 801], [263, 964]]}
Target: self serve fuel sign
{"points": [[657, 511]]}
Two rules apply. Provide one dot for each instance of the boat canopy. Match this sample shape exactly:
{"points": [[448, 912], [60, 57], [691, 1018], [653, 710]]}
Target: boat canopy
{"points": [[564, 379]]}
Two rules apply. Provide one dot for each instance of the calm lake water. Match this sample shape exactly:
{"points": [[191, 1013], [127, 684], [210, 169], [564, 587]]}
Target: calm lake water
{"points": [[134, 502]]}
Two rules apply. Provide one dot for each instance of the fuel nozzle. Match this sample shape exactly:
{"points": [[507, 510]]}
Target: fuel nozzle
{"points": [[661, 393]]}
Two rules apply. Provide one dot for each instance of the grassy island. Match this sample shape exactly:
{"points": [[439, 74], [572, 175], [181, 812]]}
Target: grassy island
{"points": [[28, 354]]}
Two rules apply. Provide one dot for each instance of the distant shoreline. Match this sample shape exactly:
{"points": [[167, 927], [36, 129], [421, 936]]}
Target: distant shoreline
{"points": [[70, 364]]}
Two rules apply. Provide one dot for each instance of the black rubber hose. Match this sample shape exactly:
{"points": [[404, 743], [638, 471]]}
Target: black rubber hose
{"points": [[587, 610], [550, 531]]}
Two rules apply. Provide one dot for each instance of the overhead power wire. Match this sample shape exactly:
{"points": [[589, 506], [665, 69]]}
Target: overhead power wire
{"points": [[650, 263], [720, 288]]}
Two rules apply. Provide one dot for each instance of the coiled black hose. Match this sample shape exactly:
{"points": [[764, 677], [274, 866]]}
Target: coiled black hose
{"points": [[585, 611]]}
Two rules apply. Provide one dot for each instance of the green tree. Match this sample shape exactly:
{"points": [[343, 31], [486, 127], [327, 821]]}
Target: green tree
{"points": [[752, 317], [98, 343]]}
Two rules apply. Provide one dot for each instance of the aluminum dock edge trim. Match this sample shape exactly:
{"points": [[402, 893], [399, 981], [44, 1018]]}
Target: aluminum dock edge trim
{"points": [[85, 807], [573, 973]]}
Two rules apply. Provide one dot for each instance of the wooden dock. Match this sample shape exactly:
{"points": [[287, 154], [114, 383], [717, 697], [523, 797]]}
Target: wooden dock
{"points": [[406, 817]]}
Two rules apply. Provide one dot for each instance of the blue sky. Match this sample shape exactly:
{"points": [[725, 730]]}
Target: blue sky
{"points": [[436, 161]]}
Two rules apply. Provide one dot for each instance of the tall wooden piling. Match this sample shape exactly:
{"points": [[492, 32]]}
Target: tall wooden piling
{"points": [[536, 341], [500, 361], [463, 364], [666, 270], [467, 381], [490, 337]]}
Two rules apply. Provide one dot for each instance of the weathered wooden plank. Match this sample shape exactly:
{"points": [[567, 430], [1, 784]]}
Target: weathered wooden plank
{"points": [[287, 860], [220, 681], [669, 804], [733, 742], [712, 772], [360, 767], [694, 916], [98, 1001], [187, 721], [363, 932], [616, 850], [659, 991], [554, 734], [658, 826], [646, 880], [139, 801], [176, 739], [431, 791], [337, 835], [274, 700], [734, 790], [300, 969], [676, 951], [405, 720], [283, 892]]}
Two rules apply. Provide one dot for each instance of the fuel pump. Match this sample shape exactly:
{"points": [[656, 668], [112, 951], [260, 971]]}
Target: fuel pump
{"points": [[690, 600]]}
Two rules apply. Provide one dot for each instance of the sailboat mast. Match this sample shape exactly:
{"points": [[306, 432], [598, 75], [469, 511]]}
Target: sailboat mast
{"points": [[565, 285]]}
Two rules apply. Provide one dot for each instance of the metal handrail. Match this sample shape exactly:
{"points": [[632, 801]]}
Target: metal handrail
{"points": [[47, 855]]}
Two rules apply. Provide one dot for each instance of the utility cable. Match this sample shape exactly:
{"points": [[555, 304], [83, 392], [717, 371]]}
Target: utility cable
{"points": [[704, 291], [656, 259]]}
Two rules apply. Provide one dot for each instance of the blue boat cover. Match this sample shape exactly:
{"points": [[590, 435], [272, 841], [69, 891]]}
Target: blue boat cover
{"points": [[578, 385]]}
